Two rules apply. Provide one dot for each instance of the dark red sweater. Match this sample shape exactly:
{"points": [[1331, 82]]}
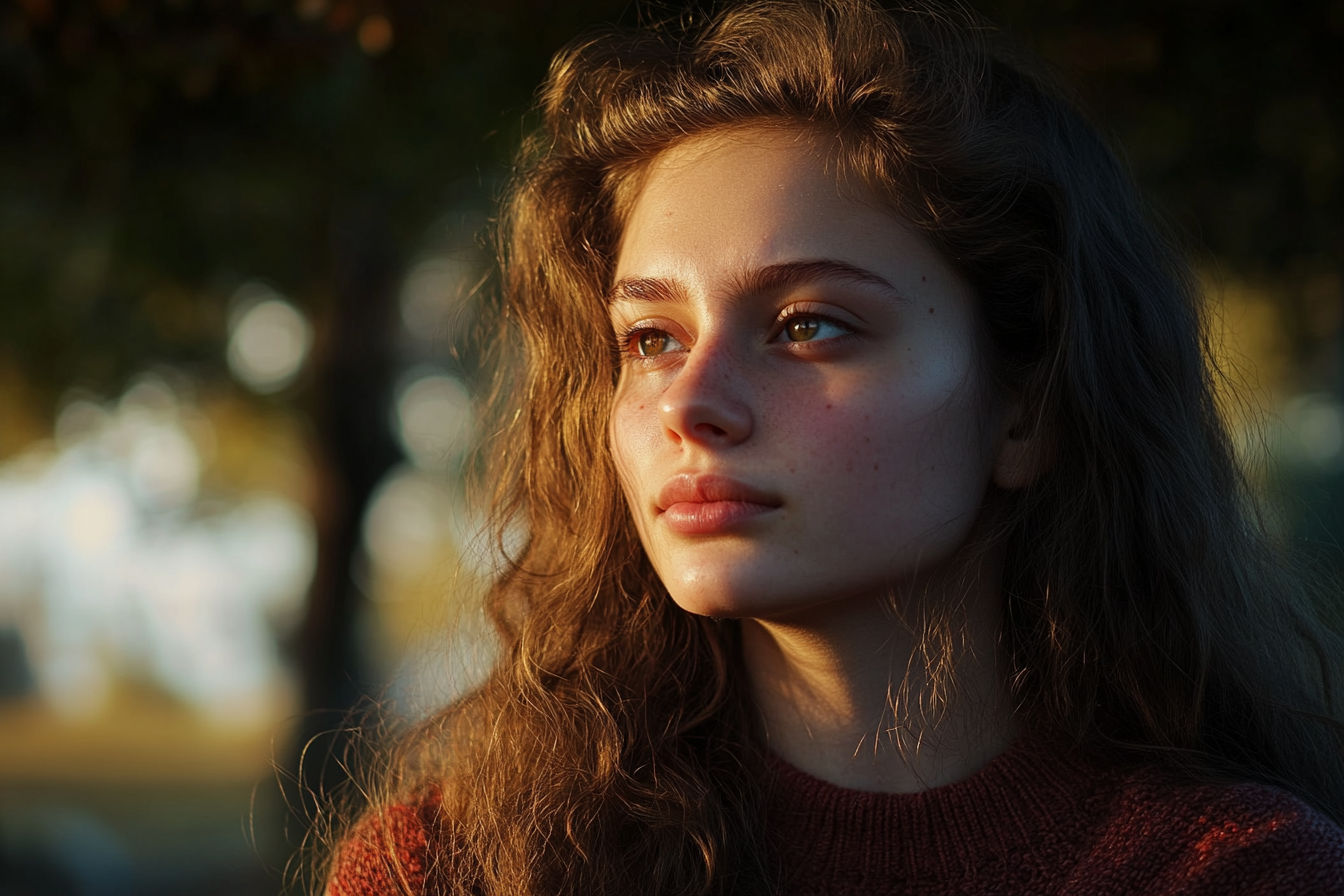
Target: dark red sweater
{"points": [[1032, 822]]}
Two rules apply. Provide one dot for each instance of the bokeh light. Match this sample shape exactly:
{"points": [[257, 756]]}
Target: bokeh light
{"points": [[434, 294], [434, 420], [375, 35], [269, 339], [409, 524], [115, 570], [1315, 427]]}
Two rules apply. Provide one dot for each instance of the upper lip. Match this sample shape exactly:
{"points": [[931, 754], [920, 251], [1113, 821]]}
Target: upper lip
{"points": [[703, 488]]}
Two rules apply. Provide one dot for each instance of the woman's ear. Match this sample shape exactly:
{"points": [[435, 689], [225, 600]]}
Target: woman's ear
{"points": [[1025, 451]]}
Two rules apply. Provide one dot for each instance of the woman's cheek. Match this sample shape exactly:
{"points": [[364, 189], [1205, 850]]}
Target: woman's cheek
{"points": [[634, 427]]}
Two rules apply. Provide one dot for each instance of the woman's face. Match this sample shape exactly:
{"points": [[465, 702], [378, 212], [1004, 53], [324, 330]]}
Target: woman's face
{"points": [[800, 416]]}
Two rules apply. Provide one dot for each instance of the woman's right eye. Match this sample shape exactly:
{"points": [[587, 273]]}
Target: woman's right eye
{"points": [[650, 343]]}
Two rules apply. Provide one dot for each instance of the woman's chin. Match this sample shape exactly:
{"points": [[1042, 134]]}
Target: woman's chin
{"points": [[740, 603], [720, 603]]}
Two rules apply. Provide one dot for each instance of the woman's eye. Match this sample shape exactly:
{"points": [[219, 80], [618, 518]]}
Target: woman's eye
{"points": [[807, 328], [802, 329], [651, 343]]}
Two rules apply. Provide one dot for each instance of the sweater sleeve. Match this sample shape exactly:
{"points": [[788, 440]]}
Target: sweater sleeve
{"points": [[1269, 844], [1239, 840], [386, 854]]}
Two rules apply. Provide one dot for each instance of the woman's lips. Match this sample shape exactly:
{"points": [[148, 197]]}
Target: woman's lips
{"points": [[693, 518], [700, 504]]}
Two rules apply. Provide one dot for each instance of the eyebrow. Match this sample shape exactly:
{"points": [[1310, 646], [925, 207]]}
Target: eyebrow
{"points": [[771, 278]]}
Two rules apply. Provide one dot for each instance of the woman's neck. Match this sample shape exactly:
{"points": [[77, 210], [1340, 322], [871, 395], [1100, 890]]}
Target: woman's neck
{"points": [[845, 694]]}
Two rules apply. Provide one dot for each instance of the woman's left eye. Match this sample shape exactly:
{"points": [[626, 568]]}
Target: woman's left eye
{"points": [[811, 327]]}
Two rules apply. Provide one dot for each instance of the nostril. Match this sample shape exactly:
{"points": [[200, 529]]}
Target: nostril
{"points": [[702, 409]]}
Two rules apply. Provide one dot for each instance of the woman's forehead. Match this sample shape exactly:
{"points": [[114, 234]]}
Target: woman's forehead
{"points": [[736, 202]]}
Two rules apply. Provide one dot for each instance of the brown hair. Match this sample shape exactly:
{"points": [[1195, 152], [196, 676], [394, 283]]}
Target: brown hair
{"points": [[1147, 613]]}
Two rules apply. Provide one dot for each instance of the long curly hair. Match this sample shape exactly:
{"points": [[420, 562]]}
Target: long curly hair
{"points": [[1147, 614]]}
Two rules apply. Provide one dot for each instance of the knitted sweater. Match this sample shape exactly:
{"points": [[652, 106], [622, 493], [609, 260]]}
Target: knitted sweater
{"points": [[1031, 822]]}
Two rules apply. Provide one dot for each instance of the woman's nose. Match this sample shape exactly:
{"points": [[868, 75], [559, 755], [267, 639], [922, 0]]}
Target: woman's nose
{"points": [[705, 402]]}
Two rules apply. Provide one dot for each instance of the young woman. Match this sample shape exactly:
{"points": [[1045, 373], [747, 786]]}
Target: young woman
{"points": [[883, 535]]}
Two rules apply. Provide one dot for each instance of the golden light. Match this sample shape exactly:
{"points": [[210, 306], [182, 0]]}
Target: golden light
{"points": [[375, 35]]}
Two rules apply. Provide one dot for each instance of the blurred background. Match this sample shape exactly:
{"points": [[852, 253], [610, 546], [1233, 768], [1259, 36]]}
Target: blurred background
{"points": [[240, 241]]}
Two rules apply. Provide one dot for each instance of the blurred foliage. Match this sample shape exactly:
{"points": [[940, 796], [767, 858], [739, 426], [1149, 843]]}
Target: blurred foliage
{"points": [[1232, 113], [155, 154]]}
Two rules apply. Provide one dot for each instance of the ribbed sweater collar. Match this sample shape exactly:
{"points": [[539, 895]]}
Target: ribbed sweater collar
{"points": [[1027, 793]]}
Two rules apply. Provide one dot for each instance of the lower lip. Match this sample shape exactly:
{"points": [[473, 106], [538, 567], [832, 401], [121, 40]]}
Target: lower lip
{"points": [[695, 518]]}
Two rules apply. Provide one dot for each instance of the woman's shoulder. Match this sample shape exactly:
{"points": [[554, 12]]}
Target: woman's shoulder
{"points": [[1179, 836], [392, 850]]}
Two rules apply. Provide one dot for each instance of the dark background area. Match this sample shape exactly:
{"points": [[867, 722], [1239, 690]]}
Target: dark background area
{"points": [[153, 155]]}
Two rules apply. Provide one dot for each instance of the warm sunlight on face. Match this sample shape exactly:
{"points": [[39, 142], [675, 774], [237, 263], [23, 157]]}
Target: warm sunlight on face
{"points": [[800, 417]]}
